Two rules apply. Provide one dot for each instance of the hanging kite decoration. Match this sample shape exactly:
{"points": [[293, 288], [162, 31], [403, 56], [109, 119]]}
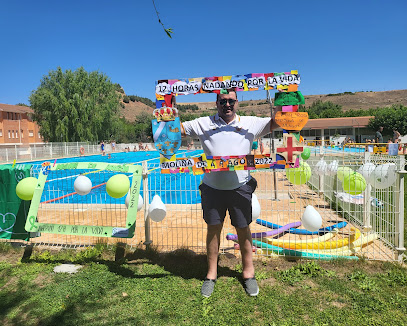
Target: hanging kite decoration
{"points": [[167, 126]]}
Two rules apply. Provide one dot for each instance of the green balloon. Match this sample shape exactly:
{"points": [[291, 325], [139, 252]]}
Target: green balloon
{"points": [[354, 183], [306, 153], [343, 171], [118, 186], [300, 175], [25, 188]]}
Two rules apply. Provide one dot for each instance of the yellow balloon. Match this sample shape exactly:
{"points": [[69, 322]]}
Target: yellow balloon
{"points": [[343, 171], [300, 175], [118, 185], [354, 183], [25, 188]]}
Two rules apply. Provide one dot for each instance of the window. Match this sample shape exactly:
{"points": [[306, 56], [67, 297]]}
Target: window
{"points": [[9, 134], [16, 133], [30, 133], [22, 133], [1, 132], [12, 134], [39, 135]]}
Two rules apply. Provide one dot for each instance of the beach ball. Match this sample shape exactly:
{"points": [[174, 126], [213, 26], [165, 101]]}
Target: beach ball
{"points": [[311, 219], [255, 207], [139, 204], [118, 185], [354, 184], [384, 176], [367, 171], [332, 168], [300, 175], [25, 188], [306, 153], [321, 167], [157, 210], [342, 172], [82, 185]]}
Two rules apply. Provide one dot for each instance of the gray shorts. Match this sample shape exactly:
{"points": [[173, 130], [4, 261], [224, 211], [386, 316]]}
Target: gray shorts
{"points": [[238, 202]]}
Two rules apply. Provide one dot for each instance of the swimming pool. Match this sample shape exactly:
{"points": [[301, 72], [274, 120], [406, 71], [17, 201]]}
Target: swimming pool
{"points": [[180, 188], [339, 149]]}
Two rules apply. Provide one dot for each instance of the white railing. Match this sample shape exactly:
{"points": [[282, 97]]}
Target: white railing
{"points": [[36, 152], [281, 203]]}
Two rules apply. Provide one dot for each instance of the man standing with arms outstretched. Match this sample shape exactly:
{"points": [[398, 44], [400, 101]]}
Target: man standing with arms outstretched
{"points": [[227, 134]]}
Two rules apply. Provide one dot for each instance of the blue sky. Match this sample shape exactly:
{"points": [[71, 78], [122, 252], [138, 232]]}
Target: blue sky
{"points": [[337, 46]]}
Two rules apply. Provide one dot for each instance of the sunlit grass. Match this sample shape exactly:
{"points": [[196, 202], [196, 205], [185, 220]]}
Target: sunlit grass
{"points": [[147, 287]]}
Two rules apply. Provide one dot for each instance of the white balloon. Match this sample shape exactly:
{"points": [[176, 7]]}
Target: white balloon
{"points": [[127, 200], [157, 210], [367, 171], [255, 207], [321, 167], [82, 185], [384, 175], [139, 204], [332, 168], [311, 219]]}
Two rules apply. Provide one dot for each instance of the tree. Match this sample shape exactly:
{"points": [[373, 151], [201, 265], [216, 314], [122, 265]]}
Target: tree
{"points": [[390, 118], [142, 127], [75, 106], [126, 132], [320, 109]]}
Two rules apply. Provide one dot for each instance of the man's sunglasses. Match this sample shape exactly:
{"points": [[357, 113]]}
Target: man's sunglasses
{"points": [[225, 100]]}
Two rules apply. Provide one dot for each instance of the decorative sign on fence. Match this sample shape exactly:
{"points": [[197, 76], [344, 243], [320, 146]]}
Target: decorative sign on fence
{"points": [[34, 223], [166, 127], [207, 164]]}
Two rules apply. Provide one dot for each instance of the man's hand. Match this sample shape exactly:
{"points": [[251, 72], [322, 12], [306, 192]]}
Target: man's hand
{"points": [[274, 125]]}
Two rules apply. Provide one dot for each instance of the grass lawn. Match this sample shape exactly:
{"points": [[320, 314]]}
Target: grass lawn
{"points": [[145, 287]]}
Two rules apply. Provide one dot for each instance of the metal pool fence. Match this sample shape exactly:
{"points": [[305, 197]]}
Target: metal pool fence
{"points": [[370, 226]]}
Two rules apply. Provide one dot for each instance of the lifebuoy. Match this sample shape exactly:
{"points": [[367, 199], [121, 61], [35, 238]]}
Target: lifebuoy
{"points": [[82, 151]]}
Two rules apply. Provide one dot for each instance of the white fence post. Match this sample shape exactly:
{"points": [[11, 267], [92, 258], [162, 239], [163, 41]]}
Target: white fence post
{"points": [[148, 240], [6, 154], [400, 220], [366, 200]]}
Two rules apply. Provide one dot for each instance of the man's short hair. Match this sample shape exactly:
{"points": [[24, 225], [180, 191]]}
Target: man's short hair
{"points": [[228, 90]]}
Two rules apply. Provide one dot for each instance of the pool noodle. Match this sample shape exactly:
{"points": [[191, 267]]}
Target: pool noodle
{"points": [[302, 231], [281, 229], [295, 253], [353, 248], [322, 238], [289, 244]]}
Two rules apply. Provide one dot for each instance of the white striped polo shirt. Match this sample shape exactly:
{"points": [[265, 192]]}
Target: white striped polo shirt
{"points": [[221, 139]]}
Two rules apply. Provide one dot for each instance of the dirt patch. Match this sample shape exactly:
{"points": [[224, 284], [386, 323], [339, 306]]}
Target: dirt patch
{"points": [[339, 305], [42, 280], [12, 256]]}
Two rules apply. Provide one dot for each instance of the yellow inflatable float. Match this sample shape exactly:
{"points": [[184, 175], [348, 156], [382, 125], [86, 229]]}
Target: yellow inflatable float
{"points": [[313, 245]]}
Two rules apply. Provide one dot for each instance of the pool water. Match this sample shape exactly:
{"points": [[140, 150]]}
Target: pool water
{"points": [[179, 188]]}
